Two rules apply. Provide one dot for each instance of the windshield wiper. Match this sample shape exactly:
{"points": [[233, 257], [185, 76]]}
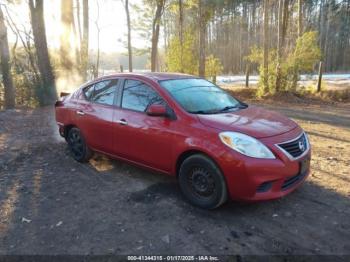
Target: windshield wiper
{"points": [[213, 111], [203, 112], [240, 106], [216, 111], [226, 108]]}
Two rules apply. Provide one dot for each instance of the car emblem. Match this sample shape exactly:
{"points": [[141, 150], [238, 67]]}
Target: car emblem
{"points": [[301, 146]]}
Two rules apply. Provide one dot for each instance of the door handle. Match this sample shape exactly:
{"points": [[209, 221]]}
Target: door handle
{"points": [[122, 122], [81, 113]]}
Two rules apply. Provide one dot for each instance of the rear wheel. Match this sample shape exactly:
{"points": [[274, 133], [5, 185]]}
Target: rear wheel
{"points": [[77, 145], [202, 182]]}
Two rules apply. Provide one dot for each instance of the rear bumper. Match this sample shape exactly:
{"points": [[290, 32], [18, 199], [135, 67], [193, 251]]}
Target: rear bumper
{"points": [[250, 179]]}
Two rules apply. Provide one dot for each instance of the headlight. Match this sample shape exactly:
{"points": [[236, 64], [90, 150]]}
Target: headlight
{"points": [[246, 145]]}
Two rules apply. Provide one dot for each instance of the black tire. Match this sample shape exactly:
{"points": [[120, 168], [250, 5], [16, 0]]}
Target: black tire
{"points": [[77, 145], [202, 182]]}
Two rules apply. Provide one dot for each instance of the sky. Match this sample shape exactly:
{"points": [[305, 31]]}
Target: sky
{"points": [[112, 23]]}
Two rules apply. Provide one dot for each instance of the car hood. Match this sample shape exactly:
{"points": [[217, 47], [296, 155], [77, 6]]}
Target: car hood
{"points": [[253, 121]]}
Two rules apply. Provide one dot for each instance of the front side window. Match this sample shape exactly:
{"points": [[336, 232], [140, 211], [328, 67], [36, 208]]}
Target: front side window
{"points": [[200, 96], [138, 96]]}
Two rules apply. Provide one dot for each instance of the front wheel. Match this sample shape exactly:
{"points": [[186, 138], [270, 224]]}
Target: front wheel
{"points": [[202, 182], [77, 145]]}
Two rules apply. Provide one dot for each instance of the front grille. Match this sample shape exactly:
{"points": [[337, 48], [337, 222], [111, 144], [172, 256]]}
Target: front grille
{"points": [[296, 147]]}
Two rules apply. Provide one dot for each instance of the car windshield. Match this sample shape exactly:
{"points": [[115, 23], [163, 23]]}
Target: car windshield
{"points": [[200, 96]]}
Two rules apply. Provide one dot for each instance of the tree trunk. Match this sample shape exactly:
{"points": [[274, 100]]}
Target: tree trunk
{"points": [[47, 93], [97, 69], [129, 34], [322, 24], [181, 34], [245, 39], [247, 72], [202, 42], [78, 20], [285, 20], [66, 57], [266, 45], [85, 41], [282, 31], [279, 44], [155, 33], [76, 33], [166, 32], [320, 70], [96, 74], [327, 39], [6, 65], [300, 18]]}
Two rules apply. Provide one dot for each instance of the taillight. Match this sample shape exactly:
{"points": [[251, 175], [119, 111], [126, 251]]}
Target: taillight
{"points": [[63, 94]]}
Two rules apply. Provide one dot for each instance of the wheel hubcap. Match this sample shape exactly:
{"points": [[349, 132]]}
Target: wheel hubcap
{"points": [[76, 144], [201, 182]]}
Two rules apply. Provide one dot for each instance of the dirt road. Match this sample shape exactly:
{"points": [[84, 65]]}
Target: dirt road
{"points": [[50, 204]]}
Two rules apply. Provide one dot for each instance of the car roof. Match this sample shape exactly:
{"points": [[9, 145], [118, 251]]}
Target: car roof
{"points": [[156, 76]]}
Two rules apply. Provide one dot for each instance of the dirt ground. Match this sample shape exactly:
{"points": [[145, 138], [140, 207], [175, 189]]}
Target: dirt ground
{"points": [[50, 204]]}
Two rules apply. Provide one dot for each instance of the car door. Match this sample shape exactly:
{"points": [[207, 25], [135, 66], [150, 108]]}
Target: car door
{"points": [[95, 114], [139, 137]]}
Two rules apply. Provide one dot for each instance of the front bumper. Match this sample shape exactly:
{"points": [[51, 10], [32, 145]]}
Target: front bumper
{"points": [[252, 179]]}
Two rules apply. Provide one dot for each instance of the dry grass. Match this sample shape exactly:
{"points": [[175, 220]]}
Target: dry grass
{"points": [[304, 95], [331, 156]]}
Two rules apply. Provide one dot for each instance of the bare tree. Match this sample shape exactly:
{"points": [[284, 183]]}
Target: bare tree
{"points": [[67, 25], [26, 43], [126, 6], [6, 65], [47, 93], [76, 32], [79, 20], [300, 18], [181, 37], [155, 32], [202, 38], [266, 44], [283, 16], [97, 66], [285, 20], [85, 42]]}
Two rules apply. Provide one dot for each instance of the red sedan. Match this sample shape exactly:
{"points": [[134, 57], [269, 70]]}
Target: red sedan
{"points": [[217, 146]]}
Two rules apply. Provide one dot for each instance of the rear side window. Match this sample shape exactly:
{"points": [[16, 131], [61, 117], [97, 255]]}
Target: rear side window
{"points": [[102, 92], [88, 92], [138, 96]]}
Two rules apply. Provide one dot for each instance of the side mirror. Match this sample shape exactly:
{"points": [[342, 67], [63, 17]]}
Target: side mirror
{"points": [[157, 110]]}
